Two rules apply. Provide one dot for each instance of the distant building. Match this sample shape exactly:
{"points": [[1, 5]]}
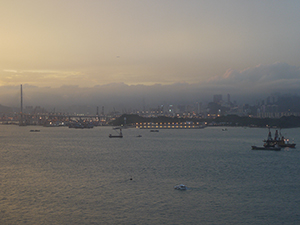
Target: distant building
{"points": [[228, 98], [217, 99], [199, 107]]}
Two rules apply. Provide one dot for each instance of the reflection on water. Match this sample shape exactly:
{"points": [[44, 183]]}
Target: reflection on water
{"points": [[68, 176]]}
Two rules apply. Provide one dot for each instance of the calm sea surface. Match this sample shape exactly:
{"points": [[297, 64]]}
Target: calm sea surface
{"points": [[69, 176]]}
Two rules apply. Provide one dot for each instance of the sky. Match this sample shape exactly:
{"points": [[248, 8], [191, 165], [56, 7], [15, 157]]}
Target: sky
{"points": [[62, 48]]}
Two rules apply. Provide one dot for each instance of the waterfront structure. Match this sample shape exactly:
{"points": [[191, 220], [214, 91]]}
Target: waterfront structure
{"points": [[169, 125]]}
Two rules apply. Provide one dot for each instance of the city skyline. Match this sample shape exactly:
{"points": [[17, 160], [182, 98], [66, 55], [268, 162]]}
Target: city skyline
{"points": [[121, 96], [274, 105]]}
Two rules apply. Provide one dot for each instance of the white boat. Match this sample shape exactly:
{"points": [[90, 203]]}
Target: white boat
{"points": [[180, 187]]}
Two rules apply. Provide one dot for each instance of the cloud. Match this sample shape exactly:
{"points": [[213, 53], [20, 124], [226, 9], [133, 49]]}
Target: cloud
{"points": [[247, 85], [40, 77], [262, 79]]}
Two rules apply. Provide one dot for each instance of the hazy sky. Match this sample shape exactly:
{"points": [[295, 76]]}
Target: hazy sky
{"points": [[86, 43]]}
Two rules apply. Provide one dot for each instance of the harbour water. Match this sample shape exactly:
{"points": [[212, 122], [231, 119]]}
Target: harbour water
{"points": [[69, 176]]}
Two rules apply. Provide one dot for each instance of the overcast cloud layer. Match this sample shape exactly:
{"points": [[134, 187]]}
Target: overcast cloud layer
{"points": [[113, 52]]}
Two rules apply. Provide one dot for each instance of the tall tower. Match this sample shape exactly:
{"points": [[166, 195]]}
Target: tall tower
{"points": [[21, 109], [21, 100]]}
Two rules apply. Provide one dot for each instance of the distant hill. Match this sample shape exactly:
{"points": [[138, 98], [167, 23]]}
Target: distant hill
{"points": [[5, 109]]}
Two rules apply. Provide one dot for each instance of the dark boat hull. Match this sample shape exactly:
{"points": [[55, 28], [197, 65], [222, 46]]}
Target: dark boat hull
{"points": [[115, 136], [120, 135], [287, 145], [266, 148]]}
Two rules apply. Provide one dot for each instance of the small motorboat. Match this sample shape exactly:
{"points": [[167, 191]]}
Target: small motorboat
{"points": [[181, 187]]}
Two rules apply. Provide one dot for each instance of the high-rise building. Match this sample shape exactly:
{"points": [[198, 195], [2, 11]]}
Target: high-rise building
{"points": [[228, 98], [199, 107], [217, 99]]}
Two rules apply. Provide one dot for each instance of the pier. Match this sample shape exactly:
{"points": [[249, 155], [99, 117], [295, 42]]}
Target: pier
{"points": [[183, 125], [59, 120]]}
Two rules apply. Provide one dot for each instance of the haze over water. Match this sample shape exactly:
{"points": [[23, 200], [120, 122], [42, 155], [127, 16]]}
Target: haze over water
{"points": [[68, 176]]}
